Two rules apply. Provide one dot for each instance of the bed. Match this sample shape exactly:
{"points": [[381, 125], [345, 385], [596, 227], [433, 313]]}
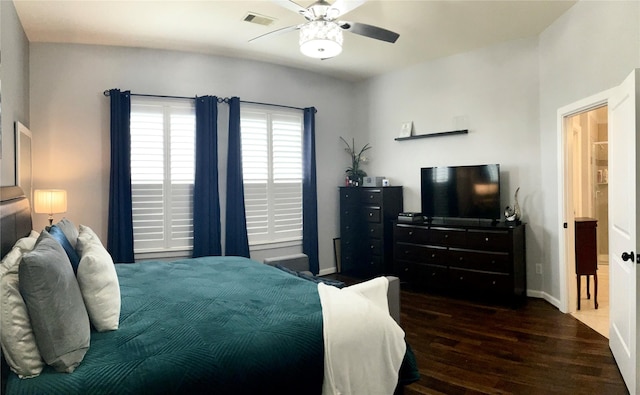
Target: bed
{"points": [[204, 325]]}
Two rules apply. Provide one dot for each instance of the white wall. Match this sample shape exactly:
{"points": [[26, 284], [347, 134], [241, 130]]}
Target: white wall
{"points": [[507, 95], [70, 118], [589, 49], [493, 92], [15, 86]]}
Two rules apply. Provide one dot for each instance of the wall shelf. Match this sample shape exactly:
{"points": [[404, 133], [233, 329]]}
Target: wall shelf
{"points": [[422, 136]]}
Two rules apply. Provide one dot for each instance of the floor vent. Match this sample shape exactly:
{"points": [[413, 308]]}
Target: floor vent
{"points": [[252, 17]]}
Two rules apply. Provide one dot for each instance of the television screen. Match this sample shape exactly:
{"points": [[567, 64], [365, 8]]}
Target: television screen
{"points": [[461, 191]]}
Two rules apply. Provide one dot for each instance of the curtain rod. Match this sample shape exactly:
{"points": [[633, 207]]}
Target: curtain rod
{"points": [[220, 100]]}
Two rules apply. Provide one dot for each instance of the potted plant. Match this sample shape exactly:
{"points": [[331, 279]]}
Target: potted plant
{"points": [[354, 172]]}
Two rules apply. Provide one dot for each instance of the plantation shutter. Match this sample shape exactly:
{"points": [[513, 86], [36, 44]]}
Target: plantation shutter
{"points": [[162, 174], [272, 170]]}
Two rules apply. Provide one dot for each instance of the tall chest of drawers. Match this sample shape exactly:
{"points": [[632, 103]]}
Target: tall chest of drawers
{"points": [[473, 259], [366, 229]]}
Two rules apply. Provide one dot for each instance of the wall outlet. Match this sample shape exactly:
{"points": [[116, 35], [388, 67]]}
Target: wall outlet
{"points": [[538, 268]]}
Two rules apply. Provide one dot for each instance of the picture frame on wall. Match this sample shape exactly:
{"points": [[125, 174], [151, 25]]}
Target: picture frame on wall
{"points": [[23, 165], [406, 129]]}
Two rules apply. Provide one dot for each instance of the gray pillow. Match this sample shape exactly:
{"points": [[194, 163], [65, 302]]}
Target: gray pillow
{"points": [[70, 231], [58, 315]]}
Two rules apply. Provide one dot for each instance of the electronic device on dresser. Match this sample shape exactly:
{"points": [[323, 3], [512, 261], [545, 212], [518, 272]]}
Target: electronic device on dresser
{"points": [[471, 192], [461, 247]]}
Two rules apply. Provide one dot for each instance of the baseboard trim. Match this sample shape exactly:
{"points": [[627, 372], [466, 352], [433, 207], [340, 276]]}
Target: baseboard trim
{"points": [[543, 295]]}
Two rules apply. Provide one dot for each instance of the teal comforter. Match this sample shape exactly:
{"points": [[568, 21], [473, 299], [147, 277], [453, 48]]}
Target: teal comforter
{"points": [[207, 325]]}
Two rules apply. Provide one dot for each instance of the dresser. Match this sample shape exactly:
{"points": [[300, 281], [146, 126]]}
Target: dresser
{"points": [[366, 229], [587, 255], [471, 259]]}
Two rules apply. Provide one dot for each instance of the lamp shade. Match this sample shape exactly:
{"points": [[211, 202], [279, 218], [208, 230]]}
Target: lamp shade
{"points": [[50, 201], [321, 39]]}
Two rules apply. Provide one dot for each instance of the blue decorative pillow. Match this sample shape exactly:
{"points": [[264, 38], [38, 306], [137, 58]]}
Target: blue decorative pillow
{"points": [[312, 278], [58, 234]]}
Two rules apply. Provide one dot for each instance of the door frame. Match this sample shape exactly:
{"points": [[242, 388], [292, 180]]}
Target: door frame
{"points": [[566, 240]]}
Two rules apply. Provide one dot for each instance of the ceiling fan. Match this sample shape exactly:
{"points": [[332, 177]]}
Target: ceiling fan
{"points": [[321, 36]]}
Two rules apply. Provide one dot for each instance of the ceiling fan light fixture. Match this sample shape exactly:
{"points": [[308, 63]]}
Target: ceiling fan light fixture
{"points": [[321, 39]]}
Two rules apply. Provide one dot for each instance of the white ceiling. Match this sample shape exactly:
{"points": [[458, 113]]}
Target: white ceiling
{"points": [[428, 29]]}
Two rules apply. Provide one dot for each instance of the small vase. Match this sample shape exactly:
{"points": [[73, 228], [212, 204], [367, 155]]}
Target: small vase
{"points": [[516, 206]]}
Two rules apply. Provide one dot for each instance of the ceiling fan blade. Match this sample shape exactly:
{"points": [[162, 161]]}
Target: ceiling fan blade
{"points": [[278, 32], [370, 31], [295, 7], [341, 7]]}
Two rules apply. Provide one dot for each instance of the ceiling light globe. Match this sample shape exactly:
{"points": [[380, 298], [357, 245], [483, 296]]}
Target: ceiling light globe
{"points": [[321, 39]]}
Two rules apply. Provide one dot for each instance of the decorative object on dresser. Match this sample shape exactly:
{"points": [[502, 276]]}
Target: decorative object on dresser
{"points": [[371, 181], [366, 229], [476, 259], [513, 214], [587, 255], [354, 173]]}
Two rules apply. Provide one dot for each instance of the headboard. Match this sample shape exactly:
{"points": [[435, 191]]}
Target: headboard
{"points": [[15, 217]]}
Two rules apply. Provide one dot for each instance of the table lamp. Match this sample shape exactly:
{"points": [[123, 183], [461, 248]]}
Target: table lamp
{"points": [[50, 201]]}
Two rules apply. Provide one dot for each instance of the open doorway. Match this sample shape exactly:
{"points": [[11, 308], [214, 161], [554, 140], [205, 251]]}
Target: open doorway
{"points": [[587, 161]]}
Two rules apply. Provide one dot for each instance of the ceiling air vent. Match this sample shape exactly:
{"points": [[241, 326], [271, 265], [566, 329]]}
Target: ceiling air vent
{"points": [[258, 19]]}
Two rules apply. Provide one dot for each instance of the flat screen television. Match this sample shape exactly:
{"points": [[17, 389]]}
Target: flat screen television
{"points": [[461, 192]]}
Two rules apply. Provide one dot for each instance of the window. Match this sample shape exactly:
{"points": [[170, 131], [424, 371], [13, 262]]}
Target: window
{"points": [[162, 174], [272, 170]]}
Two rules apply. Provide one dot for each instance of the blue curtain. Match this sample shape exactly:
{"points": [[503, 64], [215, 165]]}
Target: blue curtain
{"points": [[236, 240], [309, 191], [206, 200], [120, 222]]}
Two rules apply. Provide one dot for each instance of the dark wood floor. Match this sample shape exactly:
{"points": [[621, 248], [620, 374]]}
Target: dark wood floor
{"points": [[467, 348]]}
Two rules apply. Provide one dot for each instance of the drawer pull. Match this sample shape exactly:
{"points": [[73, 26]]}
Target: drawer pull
{"points": [[406, 252], [461, 259], [346, 196], [406, 269], [433, 255], [493, 282], [372, 246], [493, 262], [347, 227], [410, 233], [371, 230], [346, 212], [461, 278], [433, 274], [486, 239], [370, 214], [446, 236], [370, 196]]}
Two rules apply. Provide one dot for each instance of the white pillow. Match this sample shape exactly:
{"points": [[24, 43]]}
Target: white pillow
{"points": [[17, 338], [98, 282], [86, 236]]}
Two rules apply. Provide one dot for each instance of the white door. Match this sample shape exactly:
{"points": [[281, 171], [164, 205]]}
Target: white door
{"points": [[623, 218]]}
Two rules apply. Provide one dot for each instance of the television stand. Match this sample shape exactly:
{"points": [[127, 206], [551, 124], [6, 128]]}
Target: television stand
{"points": [[476, 260]]}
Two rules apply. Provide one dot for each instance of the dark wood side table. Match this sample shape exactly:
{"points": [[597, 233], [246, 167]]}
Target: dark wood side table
{"points": [[587, 255]]}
